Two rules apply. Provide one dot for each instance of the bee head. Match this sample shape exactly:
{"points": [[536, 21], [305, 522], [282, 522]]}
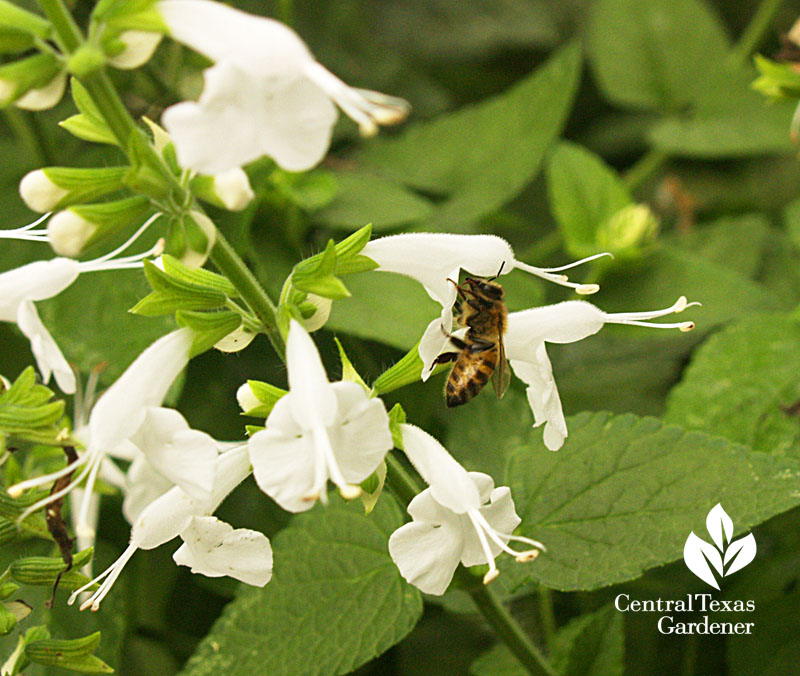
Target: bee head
{"points": [[486, 288]]}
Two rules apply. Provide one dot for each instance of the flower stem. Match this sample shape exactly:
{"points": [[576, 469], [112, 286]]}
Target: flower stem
{"points": [[547, 615], [232, 266], [122, 125], [506, 626], [753, 35], [404, 486]]}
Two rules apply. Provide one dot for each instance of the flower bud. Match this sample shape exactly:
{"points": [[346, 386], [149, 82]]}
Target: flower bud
{"points": [[40, 193], [68, 233], [72, 230], [229, 190], [628, 231], [53, 188], [38, 75], [322, 310], [247, 400], [135, 49]]}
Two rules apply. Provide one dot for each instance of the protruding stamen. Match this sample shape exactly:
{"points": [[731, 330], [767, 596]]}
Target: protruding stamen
{"points": [[497, 538], [642, 318], [110, 574], [110, 262], [561, 280], [577, 263], [19, 488], [27, 232], [54, 496], [487, 550]]}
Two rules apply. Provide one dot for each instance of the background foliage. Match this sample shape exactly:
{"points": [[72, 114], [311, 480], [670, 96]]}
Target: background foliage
{"points": [[536, 120]]}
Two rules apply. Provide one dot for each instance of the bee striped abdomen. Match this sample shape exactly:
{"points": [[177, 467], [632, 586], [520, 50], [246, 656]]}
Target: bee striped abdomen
{"points": [[469, 375]]}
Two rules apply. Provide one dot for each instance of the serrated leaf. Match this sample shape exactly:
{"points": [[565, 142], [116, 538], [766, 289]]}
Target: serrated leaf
{"points": [[507, 138], [583, 193], [742, 384], [623, 494], [334, 588]]}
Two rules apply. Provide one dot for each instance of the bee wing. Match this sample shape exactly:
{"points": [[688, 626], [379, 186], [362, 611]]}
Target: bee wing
{"points": [[501, 378]]}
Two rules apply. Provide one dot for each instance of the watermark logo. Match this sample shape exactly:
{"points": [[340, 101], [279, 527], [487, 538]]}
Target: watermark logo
{"points": [[713, 562]]}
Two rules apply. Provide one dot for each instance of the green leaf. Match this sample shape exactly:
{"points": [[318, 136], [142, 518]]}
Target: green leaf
{"points": [[366, 198], [89, 125], [309, 190], [623, 493], [741, 381], [589, 645], [26, 412], [653, 54], [334, 589], [776, 80], [483, 155], [584, 192]]}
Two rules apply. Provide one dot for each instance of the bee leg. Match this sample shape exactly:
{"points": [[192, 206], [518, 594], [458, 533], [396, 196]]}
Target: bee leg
{"points": [[480, 345], [445, 357]]}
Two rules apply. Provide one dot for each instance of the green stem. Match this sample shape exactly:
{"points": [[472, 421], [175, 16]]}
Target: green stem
{"points": [[405, 487], [122, 125], [506, 626], [753, 35], [227, 260], [647, 165], [547, 615]]}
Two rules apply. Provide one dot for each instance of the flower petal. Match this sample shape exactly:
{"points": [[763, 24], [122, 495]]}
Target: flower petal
{"points": [[427, 556], [311, 396], [221, 131], [543, 397], [502, 517], [143, 485], [163, 519], [49, 357], [360, 437], [184, 456], [213, 548], [284, 468], [431, 257], [34, 281], [450, 483], [565, 322], [121, 409]]}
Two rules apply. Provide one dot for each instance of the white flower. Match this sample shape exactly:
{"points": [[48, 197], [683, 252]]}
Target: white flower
{"points": [[115, 419], [318, 431], [265, 95], [462, 518], [436, 260], [567, 322], [21, 287], [212, 548]]}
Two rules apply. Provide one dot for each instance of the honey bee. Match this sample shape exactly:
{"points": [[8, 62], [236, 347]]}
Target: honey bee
{"points": [[480, 355]]}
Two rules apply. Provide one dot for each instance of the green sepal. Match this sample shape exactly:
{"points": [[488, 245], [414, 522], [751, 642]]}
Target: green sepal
{"points": [[8, 620], [43, 570], [319, 277], [142, 176], [85, 184], [109, 218], [397, 417], [348, 259], [13, 41], [11, 508], [172, 293], [18, 661], [86, 60], [777, 80], [89, 125], [209, 327], [8, 533], [75, 654], [198, 277], [404, 372], [14, 17], [348, 370], [7, 589], [25, 74], [252, 429], [267, 394], [122, 15], [27, 414], [372, 487]]}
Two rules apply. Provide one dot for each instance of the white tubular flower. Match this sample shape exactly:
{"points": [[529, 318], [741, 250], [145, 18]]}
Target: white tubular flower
{"points": [[567, 322], [318, 431], [40, 193], [461, 518], [22, 287], [233, 189], [116, 418], [266, 95], [432, 259], [173, 514], [213, 548]]}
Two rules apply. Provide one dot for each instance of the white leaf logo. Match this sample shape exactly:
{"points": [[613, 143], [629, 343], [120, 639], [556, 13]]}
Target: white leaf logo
{"points": [[703, 559]]}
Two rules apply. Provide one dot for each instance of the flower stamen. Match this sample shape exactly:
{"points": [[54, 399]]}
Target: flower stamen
{"points": [[642, 318], [109, 575], [476, 519], [27, 232]]}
